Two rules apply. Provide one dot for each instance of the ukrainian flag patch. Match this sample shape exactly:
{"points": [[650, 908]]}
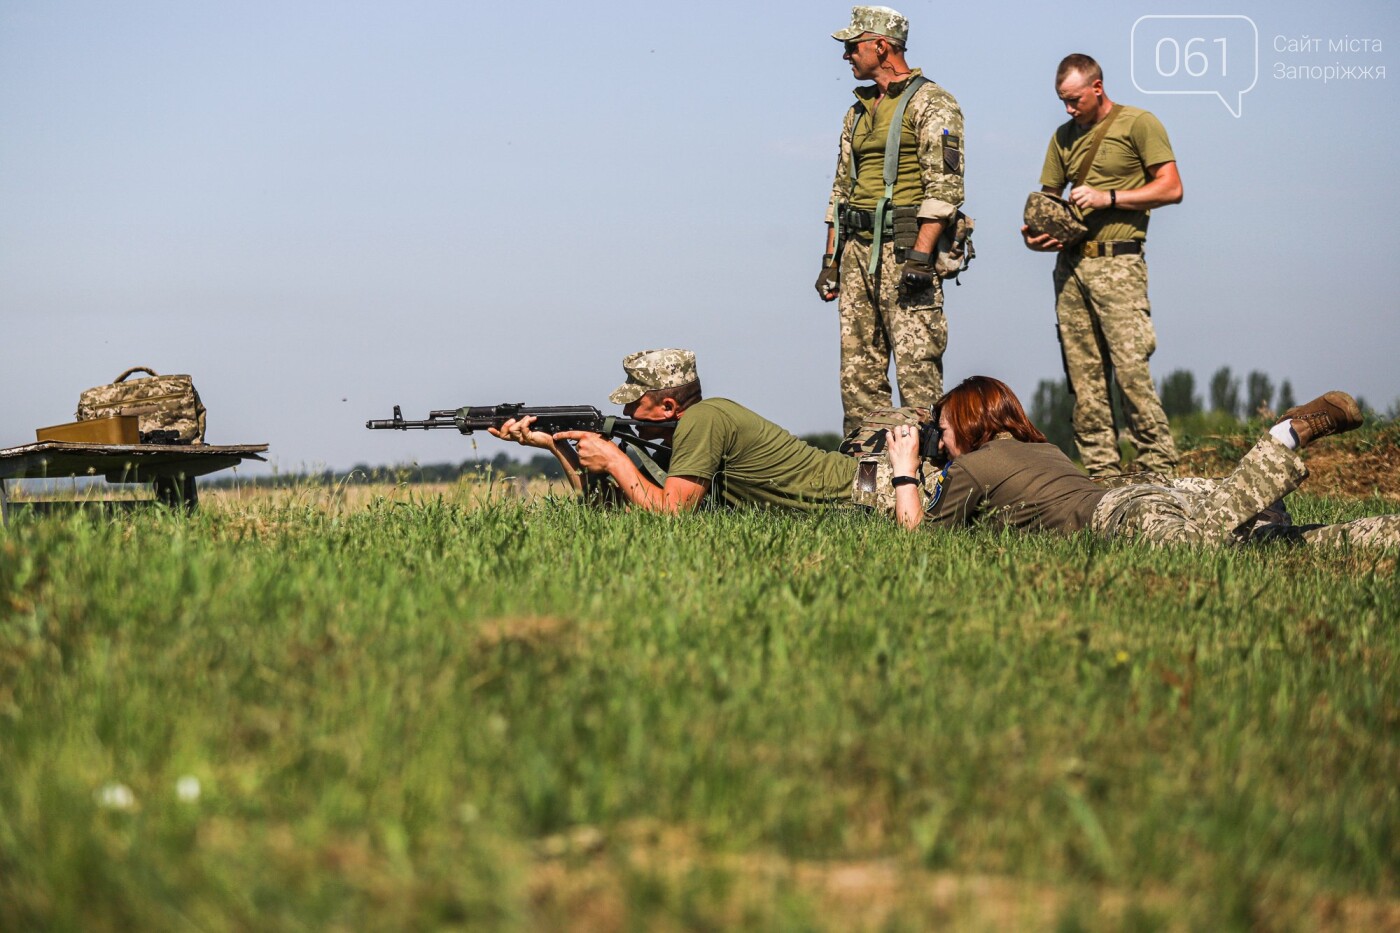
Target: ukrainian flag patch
{"points": [[935, 494]]}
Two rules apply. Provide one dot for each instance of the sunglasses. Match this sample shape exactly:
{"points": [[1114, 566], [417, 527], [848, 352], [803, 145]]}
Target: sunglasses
{"points": [[852, 43]]}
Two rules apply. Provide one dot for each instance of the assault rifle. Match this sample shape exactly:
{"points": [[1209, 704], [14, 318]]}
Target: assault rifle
{"points": [[654, 455]]}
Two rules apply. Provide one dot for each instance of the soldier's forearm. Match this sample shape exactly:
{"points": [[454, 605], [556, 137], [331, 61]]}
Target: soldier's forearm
{"points": [[568, 459], [927, 239], [1163, 188]]}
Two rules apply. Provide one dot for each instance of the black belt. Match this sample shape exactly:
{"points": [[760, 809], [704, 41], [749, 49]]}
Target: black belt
{"points": [[1095, 249], [857, 221], [854, 220]]}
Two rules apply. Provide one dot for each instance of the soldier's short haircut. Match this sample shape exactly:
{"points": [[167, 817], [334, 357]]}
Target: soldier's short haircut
{"points": [[684, 395], [1081, 63]]}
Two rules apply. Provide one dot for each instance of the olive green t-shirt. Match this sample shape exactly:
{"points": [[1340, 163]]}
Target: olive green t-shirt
{"points": [[749, 459], [930, 165], [1135, 140], [1033, 487], [868, 139]]}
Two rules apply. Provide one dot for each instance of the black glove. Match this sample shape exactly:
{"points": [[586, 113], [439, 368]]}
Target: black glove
{"points": [[917, 275], [829, 280]]}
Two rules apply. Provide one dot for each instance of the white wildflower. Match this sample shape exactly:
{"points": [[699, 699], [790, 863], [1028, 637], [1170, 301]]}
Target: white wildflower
{"points": [[187, 788], [115, 797]]}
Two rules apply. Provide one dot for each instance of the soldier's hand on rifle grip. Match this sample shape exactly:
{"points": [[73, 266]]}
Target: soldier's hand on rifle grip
{"points": [[595, 452], [829, 280]]}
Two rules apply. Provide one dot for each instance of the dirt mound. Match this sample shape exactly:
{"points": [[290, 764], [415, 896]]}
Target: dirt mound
{"points": [[589, 880], [1359, 465]]}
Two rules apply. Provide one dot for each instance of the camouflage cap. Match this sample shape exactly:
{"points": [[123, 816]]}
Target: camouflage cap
{"points": [[1048, 213], [880, 20], [654, 369]]}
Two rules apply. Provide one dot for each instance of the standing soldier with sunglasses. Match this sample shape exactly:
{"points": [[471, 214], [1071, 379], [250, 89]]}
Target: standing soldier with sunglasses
{"points": [[898, 187]]}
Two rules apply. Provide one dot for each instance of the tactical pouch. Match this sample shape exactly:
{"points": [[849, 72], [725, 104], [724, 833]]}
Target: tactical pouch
{"points": [[871, 487], [906, 224], [906, 230], [853, 221], [955, 249], [166, 406]]}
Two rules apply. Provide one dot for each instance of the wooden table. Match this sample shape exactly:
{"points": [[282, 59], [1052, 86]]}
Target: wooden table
{"points": [[170, 468]]}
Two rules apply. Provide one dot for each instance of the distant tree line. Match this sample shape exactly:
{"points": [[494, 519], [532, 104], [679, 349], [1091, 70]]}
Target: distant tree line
{"points": [[1258, 400], [1052, 407], [501, 465]]}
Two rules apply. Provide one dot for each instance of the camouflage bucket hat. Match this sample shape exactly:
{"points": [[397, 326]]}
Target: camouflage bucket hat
{"points": [[880, 20], [1047, 213], [654, 369]]}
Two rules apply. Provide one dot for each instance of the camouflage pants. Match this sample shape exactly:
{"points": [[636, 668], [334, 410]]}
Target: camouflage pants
{"points": [[1105, 327], [1244, 507], [1374, 531], [878, 318], [1193, 511]]}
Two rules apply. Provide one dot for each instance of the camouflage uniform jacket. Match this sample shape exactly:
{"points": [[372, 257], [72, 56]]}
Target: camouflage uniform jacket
{"points": [[931, 116]]}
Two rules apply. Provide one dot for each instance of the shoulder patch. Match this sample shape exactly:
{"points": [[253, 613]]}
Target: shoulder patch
{"points": [[935, 489]]}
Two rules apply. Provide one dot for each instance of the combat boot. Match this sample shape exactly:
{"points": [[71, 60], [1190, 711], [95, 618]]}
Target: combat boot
{"points": [[1333, 413]]}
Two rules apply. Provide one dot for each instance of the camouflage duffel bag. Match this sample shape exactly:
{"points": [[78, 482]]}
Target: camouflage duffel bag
{"points": [[168, 408]]}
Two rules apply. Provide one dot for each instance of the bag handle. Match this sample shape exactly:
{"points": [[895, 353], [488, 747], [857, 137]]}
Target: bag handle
{"points": [[135, 369]]}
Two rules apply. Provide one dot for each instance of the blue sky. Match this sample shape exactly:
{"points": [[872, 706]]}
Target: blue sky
{"points": [[322, 209]]}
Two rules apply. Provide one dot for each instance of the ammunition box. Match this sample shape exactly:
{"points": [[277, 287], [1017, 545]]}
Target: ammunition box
{"points": [[115, 429]]}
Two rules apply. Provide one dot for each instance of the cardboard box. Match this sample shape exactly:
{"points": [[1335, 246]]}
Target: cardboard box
{"points": [[117, 429]]}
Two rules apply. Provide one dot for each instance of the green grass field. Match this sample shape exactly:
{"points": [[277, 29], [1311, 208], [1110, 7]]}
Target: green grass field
{"points": [[434, 711]]}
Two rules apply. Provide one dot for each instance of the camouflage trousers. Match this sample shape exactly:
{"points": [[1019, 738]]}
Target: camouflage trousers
{"points": [[1106, 333], [1374, 531], [878, 318], [1245, 507]]}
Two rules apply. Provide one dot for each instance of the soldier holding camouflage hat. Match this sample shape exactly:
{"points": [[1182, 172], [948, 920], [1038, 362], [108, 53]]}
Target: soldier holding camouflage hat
{"points": [[716, 444], [1127, 167], [894, 195]]}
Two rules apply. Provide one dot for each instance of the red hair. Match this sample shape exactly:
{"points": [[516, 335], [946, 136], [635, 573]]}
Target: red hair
{"points": [[980, 407]]}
